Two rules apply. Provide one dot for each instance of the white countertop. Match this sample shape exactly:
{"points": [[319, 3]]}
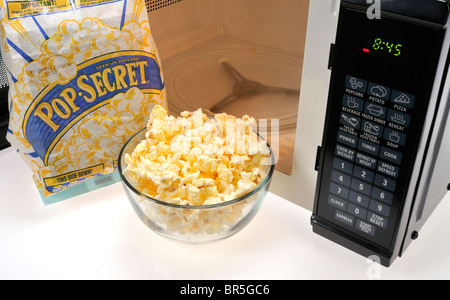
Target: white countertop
{"points": [[98, 236]]}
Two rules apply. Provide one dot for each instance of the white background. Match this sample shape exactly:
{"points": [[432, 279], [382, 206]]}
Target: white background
{"points": [[98, 236]]}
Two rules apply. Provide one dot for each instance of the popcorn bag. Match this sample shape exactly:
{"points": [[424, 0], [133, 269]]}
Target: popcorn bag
{"points": [[84, 76]]}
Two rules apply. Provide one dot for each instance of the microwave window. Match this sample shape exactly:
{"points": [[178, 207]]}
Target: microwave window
{"points": [[241, 57]]}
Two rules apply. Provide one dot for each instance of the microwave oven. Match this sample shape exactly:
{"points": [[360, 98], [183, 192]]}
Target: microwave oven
{"points": [[383, 165], [358, 90]]}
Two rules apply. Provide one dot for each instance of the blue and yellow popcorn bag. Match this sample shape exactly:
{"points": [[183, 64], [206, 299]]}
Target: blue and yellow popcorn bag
{"points": [[84, 76]]}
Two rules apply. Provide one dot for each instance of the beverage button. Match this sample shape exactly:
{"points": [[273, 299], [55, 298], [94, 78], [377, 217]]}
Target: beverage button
{"points": [[391, 155], [394, 136], [344, 218], [337, 202], [353, 102], [379, 91], [368, 147], [361, 187], [385, 182], [342, 165], [403, 99], [382, 195], [399, 118], [365, 227], [347, 139], [356, 84], [372, 128], [359, 199], [379, 207], [356, 211], [339, 190], [363, 174]]}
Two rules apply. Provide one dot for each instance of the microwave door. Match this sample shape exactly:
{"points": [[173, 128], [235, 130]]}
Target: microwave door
{"points": [[435, 176]]}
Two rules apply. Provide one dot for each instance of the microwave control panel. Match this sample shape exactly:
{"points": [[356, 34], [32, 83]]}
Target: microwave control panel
{"points": [[382, 77]]}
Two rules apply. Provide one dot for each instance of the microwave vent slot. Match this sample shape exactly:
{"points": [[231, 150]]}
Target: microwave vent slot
{"points": [[153, 5]]}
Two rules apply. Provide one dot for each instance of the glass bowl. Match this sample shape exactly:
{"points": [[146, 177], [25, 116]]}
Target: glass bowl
{"points": [[193, 224]]}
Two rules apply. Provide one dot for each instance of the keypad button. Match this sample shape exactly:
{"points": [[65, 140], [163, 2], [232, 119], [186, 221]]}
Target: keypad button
{"points": [[356, 210], [356, 84], [402, 99], [350, 120], [372, 128], [343, 165], [344, 218], [399, 118], [382, 195], [353, 102], [366, 161], [368, 147], [388, 169], [345, 152], [379, 91], [377, 220], [359, 198], [341, 178], [363, 174], [347, 139], [391, 155], [385, 182], [394, 136], [361, 187], [380, 208], [365, 227], [337, 202], [375, 110], [339, 190]]}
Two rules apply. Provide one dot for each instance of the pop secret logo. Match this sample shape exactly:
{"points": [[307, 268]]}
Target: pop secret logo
{"points": [[58, 107]]}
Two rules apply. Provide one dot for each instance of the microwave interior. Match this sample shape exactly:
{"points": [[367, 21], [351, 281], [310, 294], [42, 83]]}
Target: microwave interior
{"points": [[235, 56]]}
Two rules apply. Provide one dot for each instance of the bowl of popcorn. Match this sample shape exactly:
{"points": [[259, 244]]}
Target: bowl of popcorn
{"points": [[196, 178]]}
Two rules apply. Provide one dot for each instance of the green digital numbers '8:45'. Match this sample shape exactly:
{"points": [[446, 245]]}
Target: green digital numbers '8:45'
{"points": [[387, 47]]}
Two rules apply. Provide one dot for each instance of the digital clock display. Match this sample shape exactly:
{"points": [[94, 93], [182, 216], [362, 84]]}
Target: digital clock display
{"points": [[389, 47]]}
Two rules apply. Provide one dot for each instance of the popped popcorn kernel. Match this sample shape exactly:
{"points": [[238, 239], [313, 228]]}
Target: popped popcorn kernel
{"points": [[194, 162]]}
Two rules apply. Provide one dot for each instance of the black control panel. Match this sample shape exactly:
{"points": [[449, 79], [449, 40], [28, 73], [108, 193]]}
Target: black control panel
{"points": [[382, 77]]}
